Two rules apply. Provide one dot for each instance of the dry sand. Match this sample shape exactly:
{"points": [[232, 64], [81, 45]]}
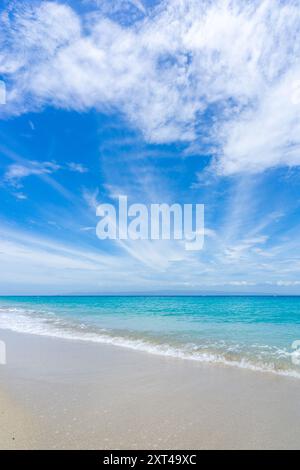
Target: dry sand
{"points": [[63, 394]]}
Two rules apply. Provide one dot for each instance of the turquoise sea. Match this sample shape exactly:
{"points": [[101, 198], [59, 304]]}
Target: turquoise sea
{"points": [[248, 332]]}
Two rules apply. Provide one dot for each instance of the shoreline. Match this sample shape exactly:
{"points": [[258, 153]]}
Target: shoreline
{"points": [[68, 394], [144, 345]]}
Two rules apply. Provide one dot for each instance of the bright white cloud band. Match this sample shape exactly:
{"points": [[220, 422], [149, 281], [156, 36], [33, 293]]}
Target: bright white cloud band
{"points": [[219, 75]]}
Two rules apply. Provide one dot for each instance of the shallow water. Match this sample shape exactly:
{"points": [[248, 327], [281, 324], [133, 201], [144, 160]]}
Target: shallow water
{"points": [[249, 332]]}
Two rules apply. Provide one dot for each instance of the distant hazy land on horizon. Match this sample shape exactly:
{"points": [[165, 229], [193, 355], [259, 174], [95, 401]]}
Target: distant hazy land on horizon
{"points": [[244, 331]]}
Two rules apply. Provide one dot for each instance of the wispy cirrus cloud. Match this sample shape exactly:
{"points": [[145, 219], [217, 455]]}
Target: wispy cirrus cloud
{"points": [[130, 8], [77, 167], [218, 73], [17, 172]]}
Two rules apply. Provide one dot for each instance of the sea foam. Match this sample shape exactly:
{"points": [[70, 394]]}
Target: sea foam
{"points": [[34, 322]]}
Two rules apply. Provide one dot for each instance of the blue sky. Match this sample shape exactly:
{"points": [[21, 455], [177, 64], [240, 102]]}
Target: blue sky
{"points": [[164, 101]]}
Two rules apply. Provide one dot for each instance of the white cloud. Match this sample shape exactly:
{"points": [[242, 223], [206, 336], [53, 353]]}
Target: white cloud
{"points": [[34, 262], [233, 61], [17, 172], [288, 283], [91, 198], [77, 167], [241, 283], [20, 196], [267, 136], [119, 6], [87, 229]]}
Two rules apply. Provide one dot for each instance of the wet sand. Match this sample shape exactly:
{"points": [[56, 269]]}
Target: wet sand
{"points": [[64, 394]]}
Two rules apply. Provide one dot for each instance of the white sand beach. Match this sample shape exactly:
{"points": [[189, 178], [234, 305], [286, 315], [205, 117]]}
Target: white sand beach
{"points": [[64, 394]]}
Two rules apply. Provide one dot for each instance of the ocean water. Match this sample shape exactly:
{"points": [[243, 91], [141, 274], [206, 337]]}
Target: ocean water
{"points": [[249, 332]]}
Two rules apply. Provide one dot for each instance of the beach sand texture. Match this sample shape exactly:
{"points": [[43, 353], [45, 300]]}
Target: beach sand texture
{"points": [[64, 394]]}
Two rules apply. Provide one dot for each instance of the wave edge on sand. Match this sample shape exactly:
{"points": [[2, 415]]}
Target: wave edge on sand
{"points": [[23, 322]]}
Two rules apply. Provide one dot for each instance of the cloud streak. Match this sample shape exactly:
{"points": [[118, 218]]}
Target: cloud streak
{"points": [[17, 172]]}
